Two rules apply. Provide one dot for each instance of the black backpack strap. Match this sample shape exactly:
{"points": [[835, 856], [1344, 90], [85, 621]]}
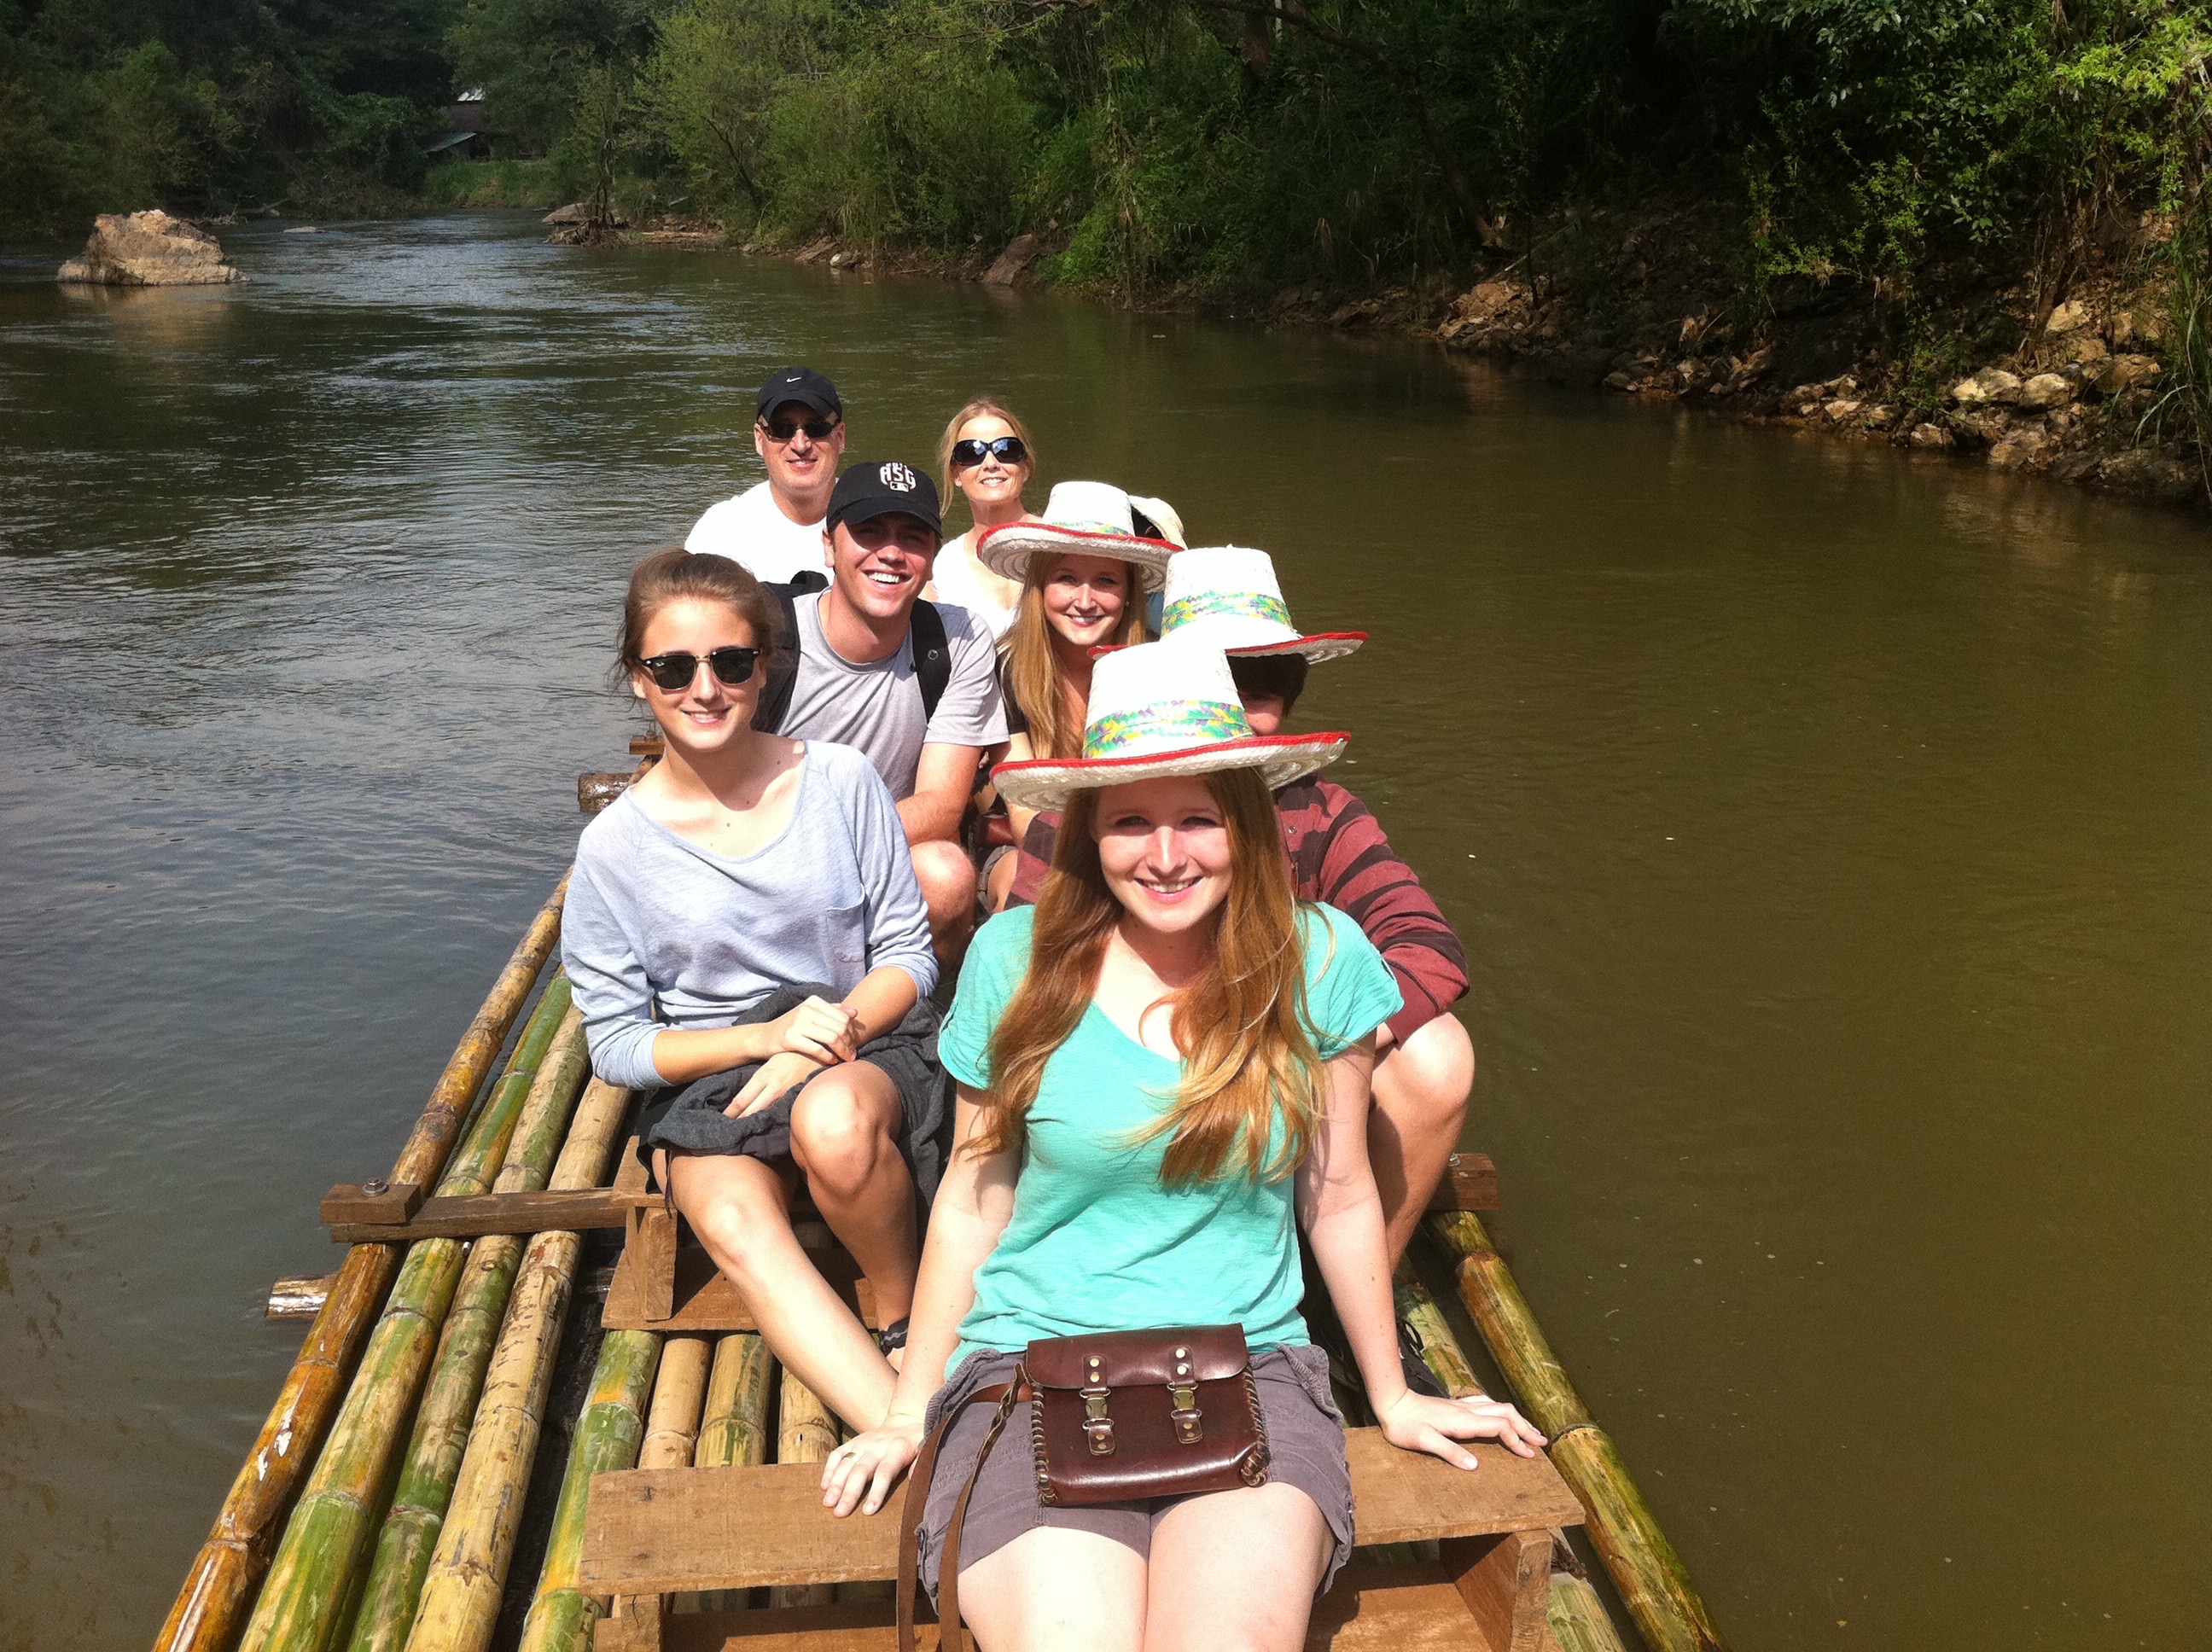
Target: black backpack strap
{"points": [[775, 688], [932, 656]]}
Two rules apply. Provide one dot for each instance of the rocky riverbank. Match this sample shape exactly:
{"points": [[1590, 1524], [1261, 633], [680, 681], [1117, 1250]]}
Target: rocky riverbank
{"points": [[2082, 390]]}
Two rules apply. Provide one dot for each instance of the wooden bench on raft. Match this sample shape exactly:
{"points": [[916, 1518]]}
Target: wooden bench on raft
{"points": [[666, 1282], [651, 1533]]}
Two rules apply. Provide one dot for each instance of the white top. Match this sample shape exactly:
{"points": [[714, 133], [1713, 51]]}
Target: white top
{"points": [[751, 531], [955, 578]]}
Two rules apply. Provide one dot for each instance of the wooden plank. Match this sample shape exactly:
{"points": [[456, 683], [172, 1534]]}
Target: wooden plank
{"points": [[472, 1216], [649, 1252], [1470, 1183], [662, 1531], [300, 1297], [1507, 1582], [647, 745], [1373, 1608], [704, 1301], [384, 1202]]}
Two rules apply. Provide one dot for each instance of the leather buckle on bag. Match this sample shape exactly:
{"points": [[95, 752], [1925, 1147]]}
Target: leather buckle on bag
{"points": [[1097, 1426], [1189, 1422]]}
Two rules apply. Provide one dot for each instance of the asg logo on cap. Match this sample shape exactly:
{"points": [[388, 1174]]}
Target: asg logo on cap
{"points": [[897, 478]]}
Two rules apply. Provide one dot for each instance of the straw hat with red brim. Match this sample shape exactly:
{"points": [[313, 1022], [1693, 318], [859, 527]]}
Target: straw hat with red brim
{"points": [[1160, 709], [1088, 518], [1228, 596]]}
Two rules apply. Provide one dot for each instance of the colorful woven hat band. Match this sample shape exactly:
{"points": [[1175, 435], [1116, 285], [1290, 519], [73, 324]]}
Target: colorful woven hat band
{"points": [[1226, 604], [1165, 726]]}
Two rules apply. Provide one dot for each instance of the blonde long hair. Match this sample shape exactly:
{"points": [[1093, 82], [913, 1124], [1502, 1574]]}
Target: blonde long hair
{"points": [[1033, 678], [983, 406], [1247, 1060]]}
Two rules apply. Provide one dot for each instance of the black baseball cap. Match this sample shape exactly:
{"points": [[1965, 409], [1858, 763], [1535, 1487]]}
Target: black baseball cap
{"points": [[801, 384], [878, 488]]}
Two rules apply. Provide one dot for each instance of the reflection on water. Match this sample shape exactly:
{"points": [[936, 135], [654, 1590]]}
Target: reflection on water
{"points": [[1830, 830]]}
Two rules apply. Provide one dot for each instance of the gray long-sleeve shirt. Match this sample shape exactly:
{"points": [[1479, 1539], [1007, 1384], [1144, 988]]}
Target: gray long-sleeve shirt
{"points": [[654, 920]]}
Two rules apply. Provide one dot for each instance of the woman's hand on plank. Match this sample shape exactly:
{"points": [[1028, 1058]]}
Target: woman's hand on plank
{"points": [[1415, 1421], [860, 1473], [770, 1079], [817, 1029]]}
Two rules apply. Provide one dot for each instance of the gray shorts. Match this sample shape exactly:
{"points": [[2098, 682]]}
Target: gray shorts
{"points": [[1305, 1449]]}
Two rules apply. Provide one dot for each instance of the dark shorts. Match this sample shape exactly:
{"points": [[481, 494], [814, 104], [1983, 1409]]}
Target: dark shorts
{"points": [[1305, 1449]]}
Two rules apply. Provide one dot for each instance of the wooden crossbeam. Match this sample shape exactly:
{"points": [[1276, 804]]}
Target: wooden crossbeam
{"points": [[1470, 1183], [573, 1211]]}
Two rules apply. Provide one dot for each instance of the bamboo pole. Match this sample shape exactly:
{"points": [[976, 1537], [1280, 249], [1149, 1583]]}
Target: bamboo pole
{"points": [[468, 1570], [671, 1429], [562, 1616], [1579, 1621], [806, 1433], [409, 1534], [733, 1433], [206, 1613], [316, 1567], [1646, 1572]]}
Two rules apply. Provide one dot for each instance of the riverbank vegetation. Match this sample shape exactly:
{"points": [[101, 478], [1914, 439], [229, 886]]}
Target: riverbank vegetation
{"points": [[1938, 173]]}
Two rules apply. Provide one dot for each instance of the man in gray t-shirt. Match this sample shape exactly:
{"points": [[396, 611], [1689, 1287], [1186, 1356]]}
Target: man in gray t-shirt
{"points": [[856, 684]]}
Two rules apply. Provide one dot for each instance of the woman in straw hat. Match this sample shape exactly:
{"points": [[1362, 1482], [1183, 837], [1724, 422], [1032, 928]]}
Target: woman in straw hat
{"points": [[1081, 568], [986, 454], [1340, 855], [1163, 1071]]}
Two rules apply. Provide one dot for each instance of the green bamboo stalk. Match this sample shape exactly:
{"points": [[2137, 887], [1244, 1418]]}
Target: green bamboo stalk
{"points": [[300, 1605], [459, 1598], [1647, 1573], [409, 1532], [1440, 1350], [219, 1585], [562, 1616], [734, 1431]]}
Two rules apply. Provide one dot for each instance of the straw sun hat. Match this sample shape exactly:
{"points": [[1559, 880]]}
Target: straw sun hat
{"points": [[1162, 709], [1228, 597], [1090, 518]]}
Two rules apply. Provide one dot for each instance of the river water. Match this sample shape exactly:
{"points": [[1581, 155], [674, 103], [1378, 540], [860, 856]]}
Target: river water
{"points": [[1832, 832]]}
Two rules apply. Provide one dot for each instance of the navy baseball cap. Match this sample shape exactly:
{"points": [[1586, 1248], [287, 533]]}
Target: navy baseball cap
{"points": [[802, 385], [873, 488]]}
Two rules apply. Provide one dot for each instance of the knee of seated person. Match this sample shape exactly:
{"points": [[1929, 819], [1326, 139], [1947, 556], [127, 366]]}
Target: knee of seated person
{"points": [[946, 875], [733, 1224], [1434, 1066], [833, 1135]]}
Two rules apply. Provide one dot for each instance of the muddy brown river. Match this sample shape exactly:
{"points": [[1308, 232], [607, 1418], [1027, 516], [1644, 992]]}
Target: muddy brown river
{"points": [[1831, 830]]}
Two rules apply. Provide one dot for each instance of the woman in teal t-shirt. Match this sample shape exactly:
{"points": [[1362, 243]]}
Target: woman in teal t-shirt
{"points": [[1162, 1066]]}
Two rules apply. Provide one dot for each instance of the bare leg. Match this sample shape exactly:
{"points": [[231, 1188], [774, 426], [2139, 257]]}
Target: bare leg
{"points": [[845, 1135], [738, 1208], [1051, 1589], [1236, 1571], [1000, 883], [1421, 1088], [947, 877]]}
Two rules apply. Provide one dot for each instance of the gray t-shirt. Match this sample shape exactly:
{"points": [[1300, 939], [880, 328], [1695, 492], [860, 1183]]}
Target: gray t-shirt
{"points": [[876, 707], [652, 920]]}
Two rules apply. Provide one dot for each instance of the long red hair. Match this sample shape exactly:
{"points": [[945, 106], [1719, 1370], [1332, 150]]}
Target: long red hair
{"points": [[1247, 1061]]}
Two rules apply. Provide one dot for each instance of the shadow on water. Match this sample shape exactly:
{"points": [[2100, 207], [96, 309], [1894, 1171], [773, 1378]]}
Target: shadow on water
{"points": [[1832, 833]]}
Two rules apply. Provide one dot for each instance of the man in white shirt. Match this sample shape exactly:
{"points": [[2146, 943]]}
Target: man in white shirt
{"points": [[774, 529]]}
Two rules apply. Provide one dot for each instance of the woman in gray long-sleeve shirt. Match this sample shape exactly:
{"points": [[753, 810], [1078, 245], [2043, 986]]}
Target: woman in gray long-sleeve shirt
{"points": [[741, 865]]}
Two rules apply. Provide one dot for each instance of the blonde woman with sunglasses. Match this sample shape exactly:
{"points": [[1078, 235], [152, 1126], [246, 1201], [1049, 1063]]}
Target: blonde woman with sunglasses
{"points": [[987, 455]]}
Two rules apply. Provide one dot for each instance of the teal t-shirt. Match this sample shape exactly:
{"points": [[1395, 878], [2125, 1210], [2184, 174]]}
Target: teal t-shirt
{"points": [[1096, 1242]]}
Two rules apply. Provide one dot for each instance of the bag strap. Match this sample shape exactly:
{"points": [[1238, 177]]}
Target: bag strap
{"points": [[932, 656], [952, 1636], [775, 688]]}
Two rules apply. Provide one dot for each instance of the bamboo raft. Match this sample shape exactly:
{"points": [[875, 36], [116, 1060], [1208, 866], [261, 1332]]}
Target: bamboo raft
{"points": [[423, 1481]]}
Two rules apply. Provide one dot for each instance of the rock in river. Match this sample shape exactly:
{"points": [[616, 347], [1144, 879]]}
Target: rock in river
{"points": [[147, 249], [1989, 385]]}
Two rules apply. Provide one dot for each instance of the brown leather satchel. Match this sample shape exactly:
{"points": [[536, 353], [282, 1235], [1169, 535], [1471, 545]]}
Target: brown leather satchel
{"points": [[1118, 1416]]}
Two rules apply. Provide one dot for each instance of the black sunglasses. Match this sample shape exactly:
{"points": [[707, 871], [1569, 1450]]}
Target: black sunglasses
{"points": [[673, 673], [1008, 450], [780, 431]]}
